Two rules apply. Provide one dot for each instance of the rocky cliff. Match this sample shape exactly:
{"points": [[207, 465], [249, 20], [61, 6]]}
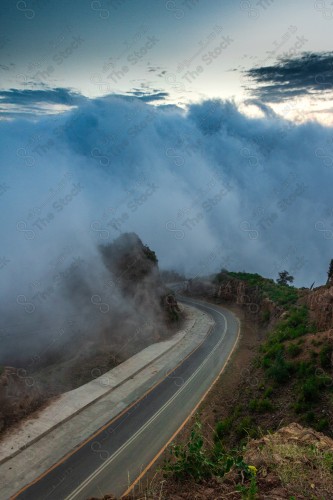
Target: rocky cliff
{"points": [[227, 289], [320, 303]]}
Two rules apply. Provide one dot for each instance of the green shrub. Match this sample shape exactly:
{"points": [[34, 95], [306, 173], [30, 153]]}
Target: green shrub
{"points": [[192, 460], [150, 254], [294, 350], [273, 350], [261, 405], [245, 428], [237, 411], [266, 316], [268, 392], [222, 428], [311, 388], [310, 417], [281, 370], [322, 425], [325, 356], [305, 369], [328, 461], [301, 407]]}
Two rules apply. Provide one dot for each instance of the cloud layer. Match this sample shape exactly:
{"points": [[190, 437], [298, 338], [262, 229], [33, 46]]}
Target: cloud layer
{"points": [[205, 188], [309, 74]]}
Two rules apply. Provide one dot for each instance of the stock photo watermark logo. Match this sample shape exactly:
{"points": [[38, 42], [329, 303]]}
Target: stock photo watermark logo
{"points": [[97, 301], [113, 67], [185, 146], [326, 231], [28, 306], [252, 233], [208, 58], [25, 7], [13, 391], [206, 265], [30, 7], [42, 222], [4, 262], [102, 7], [133, 58], [325, 8], [254, 9], [57, 279], [4, 188], [116, 68], [290, 260], [326, 156], [58, 207], [266, 217], [99, 7], [117, 146], [53, 193], [116, 222], [179, 9], [192, 222]]}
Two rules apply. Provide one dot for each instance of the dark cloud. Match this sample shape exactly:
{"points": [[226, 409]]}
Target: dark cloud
{"points": [[306, 75], [28, 97], [7, 67], [147, 96]]}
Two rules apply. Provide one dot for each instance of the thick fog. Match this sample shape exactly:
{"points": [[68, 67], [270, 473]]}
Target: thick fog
{"points": [[205, 188]]}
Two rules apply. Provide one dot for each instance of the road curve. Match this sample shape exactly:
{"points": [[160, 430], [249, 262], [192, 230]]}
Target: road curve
{"points": [[111, 461]]}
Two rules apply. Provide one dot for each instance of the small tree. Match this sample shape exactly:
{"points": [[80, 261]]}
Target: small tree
{"points": [[284, 278], [330, 273]]}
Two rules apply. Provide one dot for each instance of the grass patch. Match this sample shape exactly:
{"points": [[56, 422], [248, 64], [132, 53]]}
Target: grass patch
{"points": [[281, 370], [223, 428], [294, 350], [261, 405], [304, 469]]}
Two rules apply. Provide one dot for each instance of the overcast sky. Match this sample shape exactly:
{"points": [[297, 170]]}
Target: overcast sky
{"points": [[187, 49]]}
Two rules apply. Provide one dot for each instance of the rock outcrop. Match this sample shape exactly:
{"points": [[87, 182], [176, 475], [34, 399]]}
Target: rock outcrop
{"points": [[127, 309], [134, 269], [235, 291], [292, 461], [320, 304]]}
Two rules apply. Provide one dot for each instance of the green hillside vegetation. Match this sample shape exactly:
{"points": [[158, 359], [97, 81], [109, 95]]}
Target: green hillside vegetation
{"points": [[282, 295], [289, 381], [292, 374]]}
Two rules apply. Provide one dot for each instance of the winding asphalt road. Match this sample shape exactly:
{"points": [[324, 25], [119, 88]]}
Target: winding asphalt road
{"points": [[112, 460]]}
